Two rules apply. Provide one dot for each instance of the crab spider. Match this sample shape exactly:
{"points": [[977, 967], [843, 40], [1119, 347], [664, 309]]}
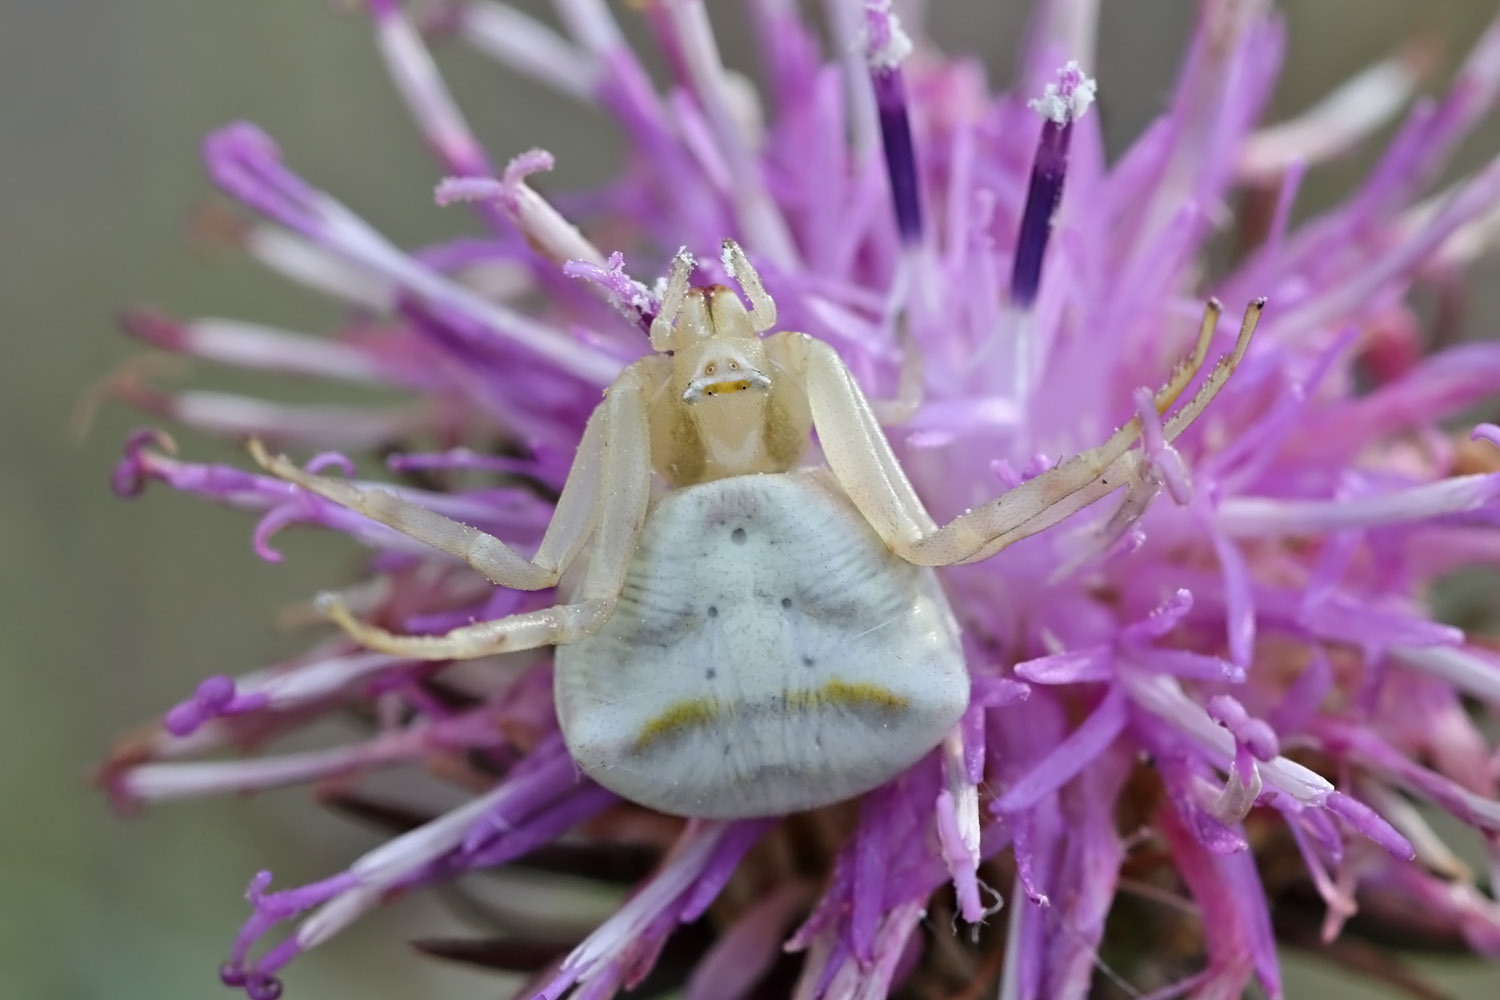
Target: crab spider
{"points": [[762, 636]]}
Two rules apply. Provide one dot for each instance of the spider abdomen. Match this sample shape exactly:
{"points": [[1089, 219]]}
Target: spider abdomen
{"points": [[768, 653]]}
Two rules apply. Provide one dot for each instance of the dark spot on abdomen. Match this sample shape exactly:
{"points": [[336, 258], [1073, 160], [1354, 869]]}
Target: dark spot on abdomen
{"points": [[737, 536]]}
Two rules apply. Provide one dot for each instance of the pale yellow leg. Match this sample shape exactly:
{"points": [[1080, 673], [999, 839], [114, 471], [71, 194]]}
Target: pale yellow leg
{"points": [[678, 278], [862, 460], [488, 555], [605, 497], [762, 306], [904, 405]]}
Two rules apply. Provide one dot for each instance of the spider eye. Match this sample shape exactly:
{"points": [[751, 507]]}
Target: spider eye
{"points": [[710, 368], [734, 366]]}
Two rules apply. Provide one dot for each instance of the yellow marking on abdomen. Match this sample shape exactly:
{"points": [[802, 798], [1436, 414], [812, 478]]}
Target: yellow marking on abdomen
{"points": [[860, 694], [692, 713], [685, 714]]}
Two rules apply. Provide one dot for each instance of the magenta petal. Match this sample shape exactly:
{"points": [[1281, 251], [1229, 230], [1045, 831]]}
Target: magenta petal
{"points": [[1071, 755]]}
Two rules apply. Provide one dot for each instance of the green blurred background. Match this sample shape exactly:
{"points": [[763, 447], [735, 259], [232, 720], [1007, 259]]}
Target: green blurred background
{"points": [[110, 611]]}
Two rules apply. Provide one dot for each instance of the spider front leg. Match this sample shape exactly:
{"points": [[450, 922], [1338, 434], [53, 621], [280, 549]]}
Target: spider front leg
{"points": [[898, 409], [605, 498], [867, 468]]}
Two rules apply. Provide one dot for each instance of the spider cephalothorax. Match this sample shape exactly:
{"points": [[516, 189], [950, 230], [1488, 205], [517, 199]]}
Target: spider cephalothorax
{"points": [[724, 406], [764, 635]]}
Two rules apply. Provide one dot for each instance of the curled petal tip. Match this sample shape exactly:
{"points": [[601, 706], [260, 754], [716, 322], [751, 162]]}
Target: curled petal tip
{"points": [[133, 471], [331, 460], [1487, 432], [259, 883], [239, 140], [215, 697], [533, 161]]}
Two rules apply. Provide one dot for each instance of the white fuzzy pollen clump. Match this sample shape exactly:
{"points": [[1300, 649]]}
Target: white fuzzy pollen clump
{"points": [[884, 41], [1065, 101]]}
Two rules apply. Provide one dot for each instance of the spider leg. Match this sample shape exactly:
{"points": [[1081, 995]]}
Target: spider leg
{"points": [[488, 555], [863, 463], [559, 624], [904, 405], [908, 398], [853, 444], [1185, 370], [663, 324], [612, 467], [762, 306]]}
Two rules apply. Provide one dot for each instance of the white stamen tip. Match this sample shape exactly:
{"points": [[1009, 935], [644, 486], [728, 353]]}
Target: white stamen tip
{"points": [[1065, 101], [884, 42]]}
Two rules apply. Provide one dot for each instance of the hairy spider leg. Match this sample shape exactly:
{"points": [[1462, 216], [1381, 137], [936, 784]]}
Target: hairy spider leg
{"points": [[612, 466], [1190, 366], [867, 468], [910, 392], [663, 325], [762, 306]]}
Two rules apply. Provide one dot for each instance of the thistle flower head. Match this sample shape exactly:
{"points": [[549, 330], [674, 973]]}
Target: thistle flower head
{"points": [[1216, 688]]}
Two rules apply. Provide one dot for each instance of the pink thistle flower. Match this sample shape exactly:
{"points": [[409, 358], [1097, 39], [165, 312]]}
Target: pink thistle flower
{"points": [[1168, 693]]}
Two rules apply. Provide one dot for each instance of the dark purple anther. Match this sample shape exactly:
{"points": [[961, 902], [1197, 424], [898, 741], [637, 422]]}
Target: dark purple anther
{"points": [[1042, 196], [900, 154], [885, 46], [1060, 106]]}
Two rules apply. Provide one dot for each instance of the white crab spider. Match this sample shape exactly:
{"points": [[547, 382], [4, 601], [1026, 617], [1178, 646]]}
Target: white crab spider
{"points": [[761, 636]]}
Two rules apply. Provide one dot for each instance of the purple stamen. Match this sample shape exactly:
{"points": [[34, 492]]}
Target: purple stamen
{"points": [[900, 153], [885, 46], [1062, 104]]}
